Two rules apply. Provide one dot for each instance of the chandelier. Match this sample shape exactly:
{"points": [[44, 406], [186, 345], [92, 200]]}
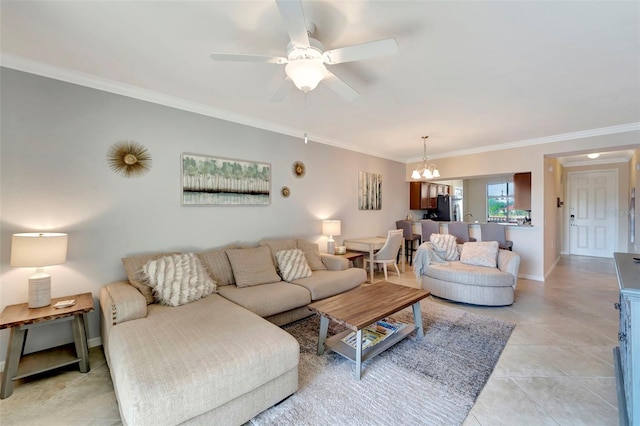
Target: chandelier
{"points": [[426, 171]]}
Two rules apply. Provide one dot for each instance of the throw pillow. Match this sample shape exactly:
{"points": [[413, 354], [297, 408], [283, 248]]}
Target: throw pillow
{"points": [[446, 243], [293, 264], [178, 279], [218, 266], [482, 253], [277, 245], [312, 253], [133, 265], [252, 266]]}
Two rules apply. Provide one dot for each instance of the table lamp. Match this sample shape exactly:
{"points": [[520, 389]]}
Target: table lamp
{"points": [[331, 227], [38, 250]]}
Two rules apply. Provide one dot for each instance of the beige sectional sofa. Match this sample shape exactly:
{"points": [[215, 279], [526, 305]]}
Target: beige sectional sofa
{"points": [[221, 359]]}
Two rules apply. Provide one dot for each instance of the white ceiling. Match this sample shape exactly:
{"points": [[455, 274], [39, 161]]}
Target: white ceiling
{"points": [[472, 75]]}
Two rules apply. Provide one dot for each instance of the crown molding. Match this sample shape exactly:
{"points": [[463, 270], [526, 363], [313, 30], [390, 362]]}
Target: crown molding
{"points": [[623, 159], [601, 131], [82, 79], [20, 63]]}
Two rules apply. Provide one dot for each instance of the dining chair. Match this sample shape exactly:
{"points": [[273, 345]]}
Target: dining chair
{"points": [[495, 232], [388, 253], [429, 227], [461, 232], [409, 238]]}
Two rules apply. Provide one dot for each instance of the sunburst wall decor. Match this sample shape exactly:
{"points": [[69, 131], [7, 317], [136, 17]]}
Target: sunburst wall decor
{"points": [[129, 159], [298, 169]]}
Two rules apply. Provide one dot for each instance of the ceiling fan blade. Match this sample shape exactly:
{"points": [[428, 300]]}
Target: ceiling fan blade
{"points": [[282, 92], [240, 57], [293, 16], [338, 85], [359, 52]]}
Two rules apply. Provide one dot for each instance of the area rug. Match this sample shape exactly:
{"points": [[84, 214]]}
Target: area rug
{"points": [[431, 382]]}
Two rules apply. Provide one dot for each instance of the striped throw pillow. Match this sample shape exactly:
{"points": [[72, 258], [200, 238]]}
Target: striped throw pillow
{"points": [[293, 264]]}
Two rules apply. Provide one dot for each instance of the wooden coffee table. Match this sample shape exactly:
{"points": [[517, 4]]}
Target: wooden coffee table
{"points": [[361, 307]]}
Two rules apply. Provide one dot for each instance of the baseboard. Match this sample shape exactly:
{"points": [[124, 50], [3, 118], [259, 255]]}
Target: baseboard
{"points": [[552, 267], [531, 277], [96, 341], [91, 343]]}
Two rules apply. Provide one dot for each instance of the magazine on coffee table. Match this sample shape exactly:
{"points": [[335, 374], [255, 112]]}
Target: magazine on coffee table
{"points": [[375, 333]]}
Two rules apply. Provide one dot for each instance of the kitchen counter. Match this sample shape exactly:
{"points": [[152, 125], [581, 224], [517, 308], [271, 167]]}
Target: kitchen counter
{"points": [[473, 223]]}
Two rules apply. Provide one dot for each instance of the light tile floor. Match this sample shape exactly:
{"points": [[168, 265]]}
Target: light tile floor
{"points": [[557, 368]]}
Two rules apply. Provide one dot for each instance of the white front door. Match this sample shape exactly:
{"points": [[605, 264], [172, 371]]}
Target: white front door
{"points": [[593, 201]]}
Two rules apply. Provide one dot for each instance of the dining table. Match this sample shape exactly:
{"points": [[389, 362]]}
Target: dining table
{"points": [[371, 245]]}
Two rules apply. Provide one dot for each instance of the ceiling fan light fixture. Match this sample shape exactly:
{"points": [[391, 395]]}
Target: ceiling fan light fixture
{"points": [[306, 73]]}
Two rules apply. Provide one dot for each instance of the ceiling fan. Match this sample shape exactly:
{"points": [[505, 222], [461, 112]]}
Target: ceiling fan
{"points": [[306, 57]]}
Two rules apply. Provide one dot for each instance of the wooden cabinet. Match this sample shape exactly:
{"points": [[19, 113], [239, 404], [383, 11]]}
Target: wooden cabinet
{"points": [[422, 196], [443, 189], [626, 356], [522, 191]]}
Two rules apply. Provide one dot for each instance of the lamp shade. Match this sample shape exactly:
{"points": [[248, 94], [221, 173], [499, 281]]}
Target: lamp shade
{"points": [[331, 227], [38, 249], [306, 73]]}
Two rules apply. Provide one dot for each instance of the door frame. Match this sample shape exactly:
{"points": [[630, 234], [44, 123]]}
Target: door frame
{"points": [[616, 203]]}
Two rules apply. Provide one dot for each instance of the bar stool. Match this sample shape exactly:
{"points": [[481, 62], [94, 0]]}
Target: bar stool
{"points": [[409, 238], [461, 232], [429, 227], [495, 232]]}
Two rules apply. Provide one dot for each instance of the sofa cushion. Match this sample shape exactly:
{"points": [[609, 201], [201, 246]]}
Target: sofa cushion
{"points": [[133, 265], [278, 245], [329, 283], [178, 279], [292, 264], [267, 299], [212, 352], [458, 272], [217, 263], [482, 253], [446, 243], [312, 253], [252, 266]]}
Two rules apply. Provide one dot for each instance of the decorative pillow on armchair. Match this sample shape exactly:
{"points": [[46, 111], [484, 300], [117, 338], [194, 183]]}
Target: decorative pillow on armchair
{"points": [[481, 253], [177, 279], [446, 243], [293, 264]]}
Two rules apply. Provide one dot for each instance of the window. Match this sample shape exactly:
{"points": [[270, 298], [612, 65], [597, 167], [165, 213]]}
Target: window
{"points": [[500, 203]]}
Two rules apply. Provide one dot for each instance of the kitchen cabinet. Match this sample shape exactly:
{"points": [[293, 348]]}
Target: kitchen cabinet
{"points": [[423, 195], [443, 189], [522, 191]]}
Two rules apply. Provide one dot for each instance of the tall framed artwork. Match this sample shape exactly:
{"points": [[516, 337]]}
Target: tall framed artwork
{"points": [[632, 216], [219, 181], [369, 191]]}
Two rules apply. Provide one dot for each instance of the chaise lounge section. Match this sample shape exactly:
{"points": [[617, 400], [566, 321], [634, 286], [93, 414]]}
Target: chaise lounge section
{"points": [[221, 359]]}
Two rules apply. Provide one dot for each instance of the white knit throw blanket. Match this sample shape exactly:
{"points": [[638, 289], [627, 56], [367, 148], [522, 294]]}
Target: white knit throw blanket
{"points": [[426, 254]]}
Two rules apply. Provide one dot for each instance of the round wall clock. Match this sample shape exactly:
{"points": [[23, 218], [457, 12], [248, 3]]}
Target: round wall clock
{"points": [[298, 169]]}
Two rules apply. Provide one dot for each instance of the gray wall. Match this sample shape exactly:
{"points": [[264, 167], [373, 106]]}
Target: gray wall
{"points": [[54, 177]]}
